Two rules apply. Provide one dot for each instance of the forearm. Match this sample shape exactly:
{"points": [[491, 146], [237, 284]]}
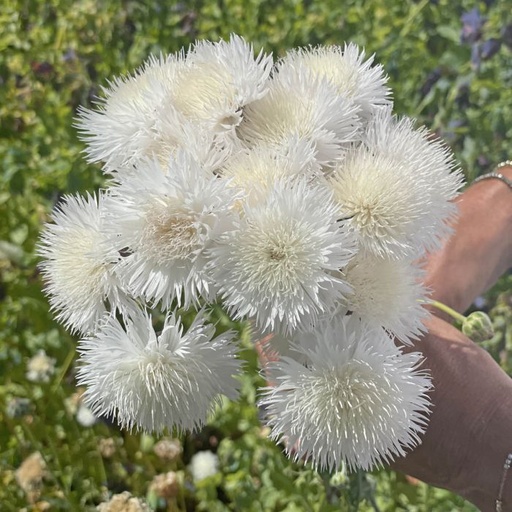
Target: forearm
{"points": [[469, 432], [480, 249]]}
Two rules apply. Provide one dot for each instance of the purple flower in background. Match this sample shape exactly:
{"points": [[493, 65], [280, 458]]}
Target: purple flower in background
{"points": [[484, 163], [490, 48], [69, 56], [484, 51], [472, 24]]}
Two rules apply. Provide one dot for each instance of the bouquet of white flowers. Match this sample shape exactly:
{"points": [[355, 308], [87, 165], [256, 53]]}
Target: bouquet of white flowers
{"points": [[288, 193]]}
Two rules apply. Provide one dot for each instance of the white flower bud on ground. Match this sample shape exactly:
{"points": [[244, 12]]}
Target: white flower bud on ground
{"points": [[203, 464], [40, 367]]}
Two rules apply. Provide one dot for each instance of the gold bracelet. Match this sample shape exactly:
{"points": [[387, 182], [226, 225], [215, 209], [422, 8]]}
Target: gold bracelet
{"points": [[506, 467], [497, 175]]}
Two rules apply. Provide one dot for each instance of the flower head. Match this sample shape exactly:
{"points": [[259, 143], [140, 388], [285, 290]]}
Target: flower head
{"points": [[281, 265], [107, 446], [31, 474], [427, 165], [256, 171], [391, 209], [165, 485], [358, 401], [166, 221], [387, 293], [153, 381], [85, 417], [419, 149], [301, 106], [346, 68], [478, 327], [218, 80], [124, 126], [125, 502], [79, 264], [168, 450]]}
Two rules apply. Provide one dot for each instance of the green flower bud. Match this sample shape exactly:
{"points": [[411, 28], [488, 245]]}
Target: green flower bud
{"points": [[478, 327], [146, 443]]}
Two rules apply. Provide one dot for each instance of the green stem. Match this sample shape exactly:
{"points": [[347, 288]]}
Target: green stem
{"points": [[64, 370], [448, 310]]}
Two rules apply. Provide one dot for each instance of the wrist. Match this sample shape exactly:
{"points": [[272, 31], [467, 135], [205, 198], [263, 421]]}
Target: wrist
{"points": [[480, 249], [497, 198]]}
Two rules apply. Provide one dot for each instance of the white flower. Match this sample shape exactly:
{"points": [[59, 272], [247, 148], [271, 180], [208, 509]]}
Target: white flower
{"points": [[166, 221], [40, 367], [175, 102], [397, 188], [433, 161], [256, 171], [152, 382], [123, 502], [218, 80], [79, 264], [85, 417], [203, 464], [302, 106], [123, 128], [387, 293], [282, 264], [391, 208], [359, 401], [172, 134], [346, 68]]}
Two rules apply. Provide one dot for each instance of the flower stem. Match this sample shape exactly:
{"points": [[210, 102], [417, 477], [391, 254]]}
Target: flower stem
{"points": [[65, 368], [448, 310]]}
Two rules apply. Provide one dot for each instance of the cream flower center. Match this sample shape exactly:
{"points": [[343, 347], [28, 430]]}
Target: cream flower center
{"points": [[281, 262], [78, 266], [349, 396], [337, 70], [170, 234]]}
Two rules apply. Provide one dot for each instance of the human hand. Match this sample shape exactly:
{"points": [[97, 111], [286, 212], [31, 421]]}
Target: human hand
{"points": [[468, 435]]}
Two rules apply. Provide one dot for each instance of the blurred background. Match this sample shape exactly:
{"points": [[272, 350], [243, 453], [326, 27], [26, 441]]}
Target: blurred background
{"points": [[450, 66]]}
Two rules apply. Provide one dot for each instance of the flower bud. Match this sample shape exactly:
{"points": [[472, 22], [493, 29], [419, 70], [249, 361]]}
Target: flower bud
{"points": [[478, 327], [169, 450], [165, 485]]}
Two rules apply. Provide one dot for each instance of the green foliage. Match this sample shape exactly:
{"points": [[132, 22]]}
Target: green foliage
{"points": [[500, 346], [54, 56]]}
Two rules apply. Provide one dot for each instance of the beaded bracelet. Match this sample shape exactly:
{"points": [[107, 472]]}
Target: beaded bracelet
{"points": [[506, 467], [497, 175]]}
